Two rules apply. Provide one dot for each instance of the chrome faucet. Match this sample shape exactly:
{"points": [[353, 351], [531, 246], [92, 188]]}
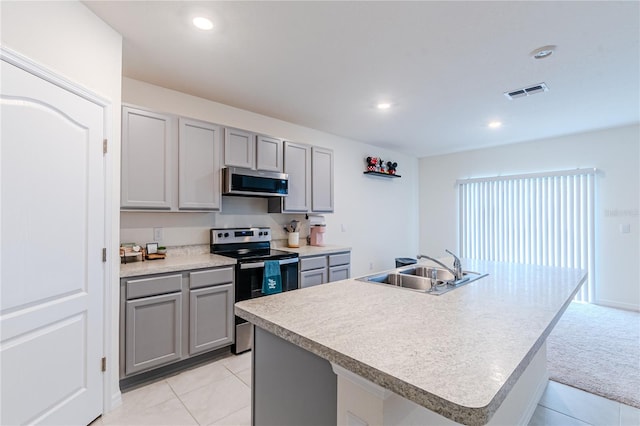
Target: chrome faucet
{"points": [[457, 266]]}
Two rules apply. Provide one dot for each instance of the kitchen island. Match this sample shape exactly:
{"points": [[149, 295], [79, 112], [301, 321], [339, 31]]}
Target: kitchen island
{"points": [[474, 355]]}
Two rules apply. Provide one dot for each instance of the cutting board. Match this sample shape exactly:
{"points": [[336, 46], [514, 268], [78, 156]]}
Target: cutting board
{"points": [[156, 256]]}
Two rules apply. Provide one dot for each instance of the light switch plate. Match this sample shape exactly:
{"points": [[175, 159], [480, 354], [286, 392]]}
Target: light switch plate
{"points": [[625, 228]]}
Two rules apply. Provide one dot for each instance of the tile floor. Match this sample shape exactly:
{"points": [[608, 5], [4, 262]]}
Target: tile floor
{"points": [[219, 393]]}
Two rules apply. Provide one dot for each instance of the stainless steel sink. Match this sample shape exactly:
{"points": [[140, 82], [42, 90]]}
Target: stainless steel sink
{"points": [[424, 279]]}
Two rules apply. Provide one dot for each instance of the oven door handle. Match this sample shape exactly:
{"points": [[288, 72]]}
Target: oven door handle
{"points": [[261, 264]]}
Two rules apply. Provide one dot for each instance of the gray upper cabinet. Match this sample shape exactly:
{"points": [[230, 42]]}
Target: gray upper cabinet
{"points": [[297, 164], [169, 162], [199, 165], [321, 180], [269, 154], [146, 160], [310, 170], [251, 151], [239, 148]]}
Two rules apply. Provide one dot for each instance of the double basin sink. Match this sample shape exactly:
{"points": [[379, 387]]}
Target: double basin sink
{"points": [[425, 279]]}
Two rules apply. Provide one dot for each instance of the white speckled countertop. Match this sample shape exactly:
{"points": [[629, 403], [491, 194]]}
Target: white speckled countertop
{"points": [[178, 259], [196, 257], [457, 354], [308, 250]]}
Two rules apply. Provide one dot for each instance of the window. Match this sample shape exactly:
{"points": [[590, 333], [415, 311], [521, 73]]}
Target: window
{"points": [[542, 219]]}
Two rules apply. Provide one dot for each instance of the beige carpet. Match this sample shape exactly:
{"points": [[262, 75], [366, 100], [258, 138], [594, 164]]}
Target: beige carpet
{"points": [[597, 349]]}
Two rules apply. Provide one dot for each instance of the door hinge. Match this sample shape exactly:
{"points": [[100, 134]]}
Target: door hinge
{"points": [[104, 254], [104, 146], [104, 363]]}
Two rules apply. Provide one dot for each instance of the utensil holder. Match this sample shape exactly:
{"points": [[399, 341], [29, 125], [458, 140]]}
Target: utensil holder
{"points": [[294, 239]]}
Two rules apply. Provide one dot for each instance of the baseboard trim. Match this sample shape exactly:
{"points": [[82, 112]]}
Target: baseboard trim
{"points": [[618, 305], [116, 401]]}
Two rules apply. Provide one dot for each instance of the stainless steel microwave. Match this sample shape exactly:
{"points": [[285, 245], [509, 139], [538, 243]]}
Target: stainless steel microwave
{"points": [[254, 183]]}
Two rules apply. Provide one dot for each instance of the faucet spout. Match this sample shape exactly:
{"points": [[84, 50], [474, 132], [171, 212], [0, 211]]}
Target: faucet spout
{"points": [[457, 266], [424, 256]]}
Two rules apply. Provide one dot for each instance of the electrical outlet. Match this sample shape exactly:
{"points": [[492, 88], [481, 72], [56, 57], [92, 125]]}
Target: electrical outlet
{"points": [[371, 266], [343, 227], [158, 234]]}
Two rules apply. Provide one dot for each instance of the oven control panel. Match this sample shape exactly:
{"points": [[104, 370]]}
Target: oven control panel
{"points": [[240, 235]]}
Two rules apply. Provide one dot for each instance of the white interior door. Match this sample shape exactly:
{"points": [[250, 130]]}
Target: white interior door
{"points": [[52, 234]]}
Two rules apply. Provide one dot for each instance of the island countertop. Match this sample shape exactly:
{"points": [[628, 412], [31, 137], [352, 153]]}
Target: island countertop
{"points": [[457, 354]]}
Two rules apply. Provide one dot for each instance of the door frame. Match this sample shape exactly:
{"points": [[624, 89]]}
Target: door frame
{"points": [[111, 395]]}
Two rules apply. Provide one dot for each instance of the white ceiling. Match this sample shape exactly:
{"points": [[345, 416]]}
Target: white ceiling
{"points": [[443, 65]]}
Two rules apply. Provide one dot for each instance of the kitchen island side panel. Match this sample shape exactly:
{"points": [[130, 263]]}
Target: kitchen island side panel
{"points": [[291, 386]]}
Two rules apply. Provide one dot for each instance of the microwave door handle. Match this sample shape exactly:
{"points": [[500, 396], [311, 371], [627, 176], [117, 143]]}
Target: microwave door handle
{"points": [[256, 265]]}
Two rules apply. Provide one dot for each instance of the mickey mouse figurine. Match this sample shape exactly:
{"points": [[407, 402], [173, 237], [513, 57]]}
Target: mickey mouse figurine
{"points": [[372, 164], [391, 167]]}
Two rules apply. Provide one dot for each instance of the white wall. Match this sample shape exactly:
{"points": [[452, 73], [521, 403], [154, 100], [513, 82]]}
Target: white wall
{"points": [[378, 215], [70, 40], [615, 152]]}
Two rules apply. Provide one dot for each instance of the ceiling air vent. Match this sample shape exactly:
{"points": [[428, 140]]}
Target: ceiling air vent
{"points": [[527, 91]]}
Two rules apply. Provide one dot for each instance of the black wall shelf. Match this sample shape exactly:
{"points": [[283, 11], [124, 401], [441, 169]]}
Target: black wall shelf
{"points": [[387, 175]]}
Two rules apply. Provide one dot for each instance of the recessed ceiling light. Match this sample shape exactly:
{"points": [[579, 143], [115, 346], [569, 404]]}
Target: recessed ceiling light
{"points": [[384, 105], [543, 52], [202, 23], [495, 124]]}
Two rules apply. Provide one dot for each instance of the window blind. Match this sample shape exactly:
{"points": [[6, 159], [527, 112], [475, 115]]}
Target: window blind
{"points": [[543, 219]]}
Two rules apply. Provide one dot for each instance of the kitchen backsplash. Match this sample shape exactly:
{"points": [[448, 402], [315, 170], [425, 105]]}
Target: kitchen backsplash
{"points": [[182, 229]]}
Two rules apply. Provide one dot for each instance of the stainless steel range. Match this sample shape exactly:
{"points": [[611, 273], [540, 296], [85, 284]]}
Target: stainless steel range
{"points": [[251, 247]]}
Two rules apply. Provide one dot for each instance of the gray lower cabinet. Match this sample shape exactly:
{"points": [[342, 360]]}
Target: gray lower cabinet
{"points": [[154, 335], [313, 270], [337, 273], [210, 325], [313, 277], [153, 321], [166, 318], [339, 266], [320, 269]]}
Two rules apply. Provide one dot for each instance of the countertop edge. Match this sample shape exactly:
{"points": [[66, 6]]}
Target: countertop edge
{"points": [[174, 264], [448, 409]]}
